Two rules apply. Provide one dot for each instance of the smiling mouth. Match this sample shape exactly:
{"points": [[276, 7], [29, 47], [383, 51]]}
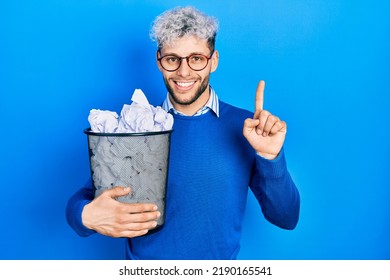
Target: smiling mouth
{"points": [[184, 85]]}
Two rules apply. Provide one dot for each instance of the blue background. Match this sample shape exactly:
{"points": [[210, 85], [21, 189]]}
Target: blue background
{"points": [[326, 65]]}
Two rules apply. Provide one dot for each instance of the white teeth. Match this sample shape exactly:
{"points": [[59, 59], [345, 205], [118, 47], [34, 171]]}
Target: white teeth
{"points": [[182, 84]]}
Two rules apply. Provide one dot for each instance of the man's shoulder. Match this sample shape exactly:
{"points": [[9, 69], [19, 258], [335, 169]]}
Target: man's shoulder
{"points": [[227, 109]]}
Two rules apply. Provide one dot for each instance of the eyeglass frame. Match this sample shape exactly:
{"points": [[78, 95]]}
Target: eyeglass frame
{"points": [[187, 58]]}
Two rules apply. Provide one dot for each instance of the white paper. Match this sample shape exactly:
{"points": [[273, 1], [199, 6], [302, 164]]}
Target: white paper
{"points": [[103, 121], [139, 116], [140, 98]]}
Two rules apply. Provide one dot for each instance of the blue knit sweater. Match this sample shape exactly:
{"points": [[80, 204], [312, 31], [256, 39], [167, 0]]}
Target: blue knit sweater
{"points": [[211, 166]]}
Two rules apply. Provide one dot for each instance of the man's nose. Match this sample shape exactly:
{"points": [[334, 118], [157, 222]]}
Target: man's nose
{"points": [[184, 70]]}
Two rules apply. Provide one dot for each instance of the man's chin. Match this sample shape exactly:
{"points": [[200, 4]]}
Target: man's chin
{"points": [[182, 100]]}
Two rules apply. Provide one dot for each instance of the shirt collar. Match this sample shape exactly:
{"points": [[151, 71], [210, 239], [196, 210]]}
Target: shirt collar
{"points": [[212, 104]]}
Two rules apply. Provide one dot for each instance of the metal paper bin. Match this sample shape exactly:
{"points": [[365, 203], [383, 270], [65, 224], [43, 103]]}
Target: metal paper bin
{"points": [[136, 160]]}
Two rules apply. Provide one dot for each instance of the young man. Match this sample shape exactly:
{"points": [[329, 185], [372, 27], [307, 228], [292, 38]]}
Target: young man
{"points": [[217, 151]]}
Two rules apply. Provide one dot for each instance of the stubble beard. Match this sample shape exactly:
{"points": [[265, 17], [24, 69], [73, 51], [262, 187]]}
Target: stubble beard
{"points": [[193, 98]]}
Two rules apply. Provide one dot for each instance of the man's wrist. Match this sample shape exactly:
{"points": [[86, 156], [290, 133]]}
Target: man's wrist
{"points": [[267, 156]]}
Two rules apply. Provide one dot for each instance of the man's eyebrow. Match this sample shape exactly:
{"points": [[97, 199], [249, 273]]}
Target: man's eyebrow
{"points": [[175, 54]]}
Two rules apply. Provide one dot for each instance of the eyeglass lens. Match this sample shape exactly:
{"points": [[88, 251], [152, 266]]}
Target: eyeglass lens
{"points": [[196, 62]]}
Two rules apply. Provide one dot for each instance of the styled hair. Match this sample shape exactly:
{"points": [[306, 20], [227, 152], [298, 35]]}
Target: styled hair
{"points": [[183, 21]]}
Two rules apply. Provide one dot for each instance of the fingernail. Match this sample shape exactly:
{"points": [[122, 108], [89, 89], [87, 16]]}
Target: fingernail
{"points": [[264, 134]]}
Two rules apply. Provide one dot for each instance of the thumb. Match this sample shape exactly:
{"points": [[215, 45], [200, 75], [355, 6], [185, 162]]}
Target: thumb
{"points": [[117, 191], [251, 123]]}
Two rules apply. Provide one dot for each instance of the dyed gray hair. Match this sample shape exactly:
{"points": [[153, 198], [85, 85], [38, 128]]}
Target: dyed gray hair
{"points": [[179, 22]]}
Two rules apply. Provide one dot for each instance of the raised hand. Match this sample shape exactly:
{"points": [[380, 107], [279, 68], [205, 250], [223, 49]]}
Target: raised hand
{"points": [[265, 132]]}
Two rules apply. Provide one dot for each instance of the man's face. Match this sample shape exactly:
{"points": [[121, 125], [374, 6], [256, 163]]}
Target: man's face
{"points": [[188, 89]]}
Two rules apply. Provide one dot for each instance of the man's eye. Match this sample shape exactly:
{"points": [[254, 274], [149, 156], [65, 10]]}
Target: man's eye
{"points": [[197, 58], [172, 59]]}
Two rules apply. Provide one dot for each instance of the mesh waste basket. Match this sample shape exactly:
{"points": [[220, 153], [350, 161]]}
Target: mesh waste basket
{"points": [[136, 160]]}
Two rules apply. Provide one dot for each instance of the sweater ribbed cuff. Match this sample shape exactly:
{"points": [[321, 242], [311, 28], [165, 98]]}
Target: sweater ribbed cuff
{"points": [[274, 168], [76, 220]]}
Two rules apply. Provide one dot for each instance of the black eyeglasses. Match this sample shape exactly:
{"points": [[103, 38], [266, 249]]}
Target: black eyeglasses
{"points": [[196, 62]]}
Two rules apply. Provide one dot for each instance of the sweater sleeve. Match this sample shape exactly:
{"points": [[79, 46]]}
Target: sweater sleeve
{"points": [[276, 192], [75, 207]]}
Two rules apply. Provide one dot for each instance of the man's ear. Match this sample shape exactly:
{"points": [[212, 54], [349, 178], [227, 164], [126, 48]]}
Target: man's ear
{"points": [[157, 61], [214, 61]]}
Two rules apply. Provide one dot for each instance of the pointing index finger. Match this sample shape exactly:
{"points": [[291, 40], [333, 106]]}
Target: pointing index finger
{"points": [[259, 101]]}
